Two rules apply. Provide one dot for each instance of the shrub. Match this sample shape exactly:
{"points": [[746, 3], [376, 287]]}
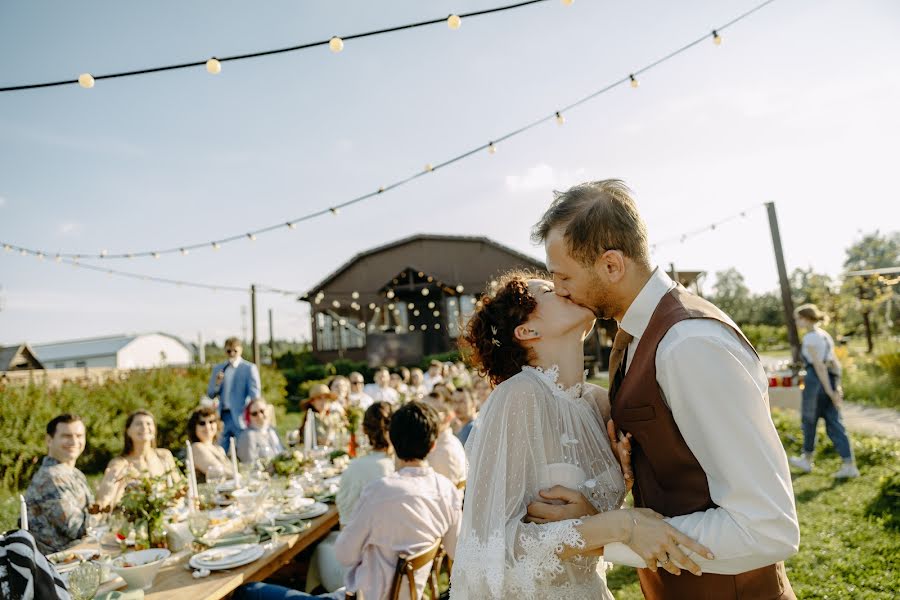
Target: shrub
{"points": [[873, 380], [886, 505], [766, 337], [170, 394]]}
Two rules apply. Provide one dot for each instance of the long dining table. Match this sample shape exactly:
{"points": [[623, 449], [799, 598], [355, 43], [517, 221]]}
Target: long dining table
{"points": [[175, 580]]}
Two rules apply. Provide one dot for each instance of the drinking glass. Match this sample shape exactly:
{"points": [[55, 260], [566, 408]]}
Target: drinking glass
{"points": [[215, 475], [84, 580], [293, 437], [198, 524]]}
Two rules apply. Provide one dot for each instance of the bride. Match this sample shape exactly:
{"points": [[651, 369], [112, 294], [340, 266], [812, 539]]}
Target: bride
{"points": [[542, 426]]}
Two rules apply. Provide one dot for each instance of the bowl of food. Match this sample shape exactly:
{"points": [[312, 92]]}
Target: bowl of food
{"points": [[139, 569]]}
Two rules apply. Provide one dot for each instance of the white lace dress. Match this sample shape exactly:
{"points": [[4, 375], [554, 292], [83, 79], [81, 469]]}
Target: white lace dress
{"points": [[531, 435]]}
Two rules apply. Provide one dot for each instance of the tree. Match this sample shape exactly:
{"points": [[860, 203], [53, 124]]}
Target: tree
{"points": [[873, 251], [731, 294]]}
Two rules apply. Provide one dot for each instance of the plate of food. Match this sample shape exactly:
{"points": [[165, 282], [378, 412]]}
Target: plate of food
{"points": [[311, 512], [228, 557], [68, 559]]}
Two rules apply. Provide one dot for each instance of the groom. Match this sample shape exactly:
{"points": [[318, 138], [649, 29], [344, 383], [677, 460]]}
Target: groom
{"points": [[690, 389]]}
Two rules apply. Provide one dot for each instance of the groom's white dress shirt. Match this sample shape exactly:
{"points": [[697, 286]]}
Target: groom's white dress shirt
{"points": [[718, 393]]}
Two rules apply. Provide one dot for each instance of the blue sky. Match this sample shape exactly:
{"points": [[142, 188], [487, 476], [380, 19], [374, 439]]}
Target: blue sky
{"points": [[797, 106]]}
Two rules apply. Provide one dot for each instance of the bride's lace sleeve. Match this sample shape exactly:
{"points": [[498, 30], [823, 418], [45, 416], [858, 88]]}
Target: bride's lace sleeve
{"points": [[498, 555]]}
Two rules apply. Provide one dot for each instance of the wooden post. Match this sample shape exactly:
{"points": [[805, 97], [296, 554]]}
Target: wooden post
{"points": [[673, 273], [271, 339], [786, 298], [255, 340]]}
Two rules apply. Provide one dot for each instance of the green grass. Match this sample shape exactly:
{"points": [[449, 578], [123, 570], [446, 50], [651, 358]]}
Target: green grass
{"points": [[844, 552]]}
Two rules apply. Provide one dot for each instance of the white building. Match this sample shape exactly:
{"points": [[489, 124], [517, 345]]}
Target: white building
{"points": [[138, 351]]}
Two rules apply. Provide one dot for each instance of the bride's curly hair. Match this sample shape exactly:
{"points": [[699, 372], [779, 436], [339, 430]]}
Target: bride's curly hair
{"points": [[489, 342]]}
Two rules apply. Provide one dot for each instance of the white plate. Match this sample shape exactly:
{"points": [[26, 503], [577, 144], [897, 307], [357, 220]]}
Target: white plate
{"points": [[316, 510], [226, 486], [239, 560], [301, 503], [64, 568], [224, 554], [332, 481]]}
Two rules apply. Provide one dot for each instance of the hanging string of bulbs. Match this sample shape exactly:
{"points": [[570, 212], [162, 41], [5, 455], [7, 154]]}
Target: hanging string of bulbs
{"points": [[683, 237], [557, 116], [213, 65]]}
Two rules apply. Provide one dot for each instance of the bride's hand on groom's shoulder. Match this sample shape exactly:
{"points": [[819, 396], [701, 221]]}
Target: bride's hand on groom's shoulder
{"points": [[559, 504]]}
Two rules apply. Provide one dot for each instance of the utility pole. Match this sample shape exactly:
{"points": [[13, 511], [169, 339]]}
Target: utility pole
{"points": [[243, 324], [786, 298], [201, 349], [271, 339], [255, 341]]}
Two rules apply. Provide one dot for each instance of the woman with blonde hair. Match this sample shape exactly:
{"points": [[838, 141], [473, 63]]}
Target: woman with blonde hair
{"points": [[822, 393]]}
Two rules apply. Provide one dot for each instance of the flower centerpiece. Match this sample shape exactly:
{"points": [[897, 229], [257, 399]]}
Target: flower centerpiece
{"points": [[289, 462], [143, 504]]}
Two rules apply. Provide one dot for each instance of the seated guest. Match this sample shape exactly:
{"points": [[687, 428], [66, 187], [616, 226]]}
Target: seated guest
{"points": [[140, 458], [204, 430], [417, 389], [381, 390], [340, 387], [400, 387], [481, 389], [464, 409], [358, 396], [434, 375], [402, 514], [448, 457], [259, 440], [320, 401], [58, 497], [324, 566]]}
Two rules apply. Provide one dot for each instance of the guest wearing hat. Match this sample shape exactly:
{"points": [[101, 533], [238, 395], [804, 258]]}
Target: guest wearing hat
{"points": [[321, 401], [822, 393]]}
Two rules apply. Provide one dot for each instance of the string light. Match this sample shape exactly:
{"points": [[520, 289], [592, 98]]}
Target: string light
{"points": [[717, 39], [492, 149], [103, 253], [416, 313], [291, 225], [424, 291], [185, 251], [460, 289], [431, 305], [436, 313], [216, 245], [334, 211], [568, 2], [371, 306], [412, 327], [355, 295], [86, 81], [213, 66], [336, 44], [560, 120], [336, 304], [437, 325], [424, 326], [632, 78], [251, 237], [453, 22], [7, 247]]}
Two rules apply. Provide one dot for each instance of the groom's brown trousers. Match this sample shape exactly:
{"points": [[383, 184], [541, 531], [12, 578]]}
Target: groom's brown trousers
{"points": [[668, 478]]}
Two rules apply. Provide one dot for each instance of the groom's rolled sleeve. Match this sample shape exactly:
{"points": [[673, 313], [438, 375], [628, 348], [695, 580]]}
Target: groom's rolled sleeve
{"points": [[718, 395]]}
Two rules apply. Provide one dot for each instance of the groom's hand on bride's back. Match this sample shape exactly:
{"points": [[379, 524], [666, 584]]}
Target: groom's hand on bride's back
{"points": [[558, 504]]}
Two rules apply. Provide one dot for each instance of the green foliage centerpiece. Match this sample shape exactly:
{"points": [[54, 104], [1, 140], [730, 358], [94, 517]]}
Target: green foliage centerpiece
{"points": [[143, 504]]}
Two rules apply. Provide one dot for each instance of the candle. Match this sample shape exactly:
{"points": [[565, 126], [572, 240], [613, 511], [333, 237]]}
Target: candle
{"points": [[309, 431], [23, 508], [234, 464], [191, 474]]}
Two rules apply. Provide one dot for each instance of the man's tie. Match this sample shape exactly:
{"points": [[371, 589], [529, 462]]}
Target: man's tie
{"points": [[618, 360]]}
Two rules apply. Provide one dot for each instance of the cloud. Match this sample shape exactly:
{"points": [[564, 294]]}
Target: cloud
{"points": [[2, 201], [70, 228], [543, 177]]}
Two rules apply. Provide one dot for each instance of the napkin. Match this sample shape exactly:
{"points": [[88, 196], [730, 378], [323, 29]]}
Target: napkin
{"points": [[231, 540], [265, 531]]}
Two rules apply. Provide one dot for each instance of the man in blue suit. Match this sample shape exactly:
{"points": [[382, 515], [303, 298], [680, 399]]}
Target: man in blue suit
{"points": [[236, 383]]}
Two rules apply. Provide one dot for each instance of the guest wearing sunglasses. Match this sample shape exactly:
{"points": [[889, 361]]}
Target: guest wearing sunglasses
{"points": [[204, 429], [259, 440]]}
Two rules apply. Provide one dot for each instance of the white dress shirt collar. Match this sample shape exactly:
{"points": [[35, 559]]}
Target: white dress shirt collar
{"points": [[638, 315], [235, 362]]}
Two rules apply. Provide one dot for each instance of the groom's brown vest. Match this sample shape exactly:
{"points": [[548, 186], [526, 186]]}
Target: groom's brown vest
{"points": [[668, 477]]}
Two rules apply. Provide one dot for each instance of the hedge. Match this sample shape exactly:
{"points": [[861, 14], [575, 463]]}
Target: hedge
{"points": [[170, 394]]}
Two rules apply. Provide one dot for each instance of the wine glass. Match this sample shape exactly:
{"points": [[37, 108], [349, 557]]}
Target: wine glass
{"points": [[84, 580], [97, 527], [198, 524]]}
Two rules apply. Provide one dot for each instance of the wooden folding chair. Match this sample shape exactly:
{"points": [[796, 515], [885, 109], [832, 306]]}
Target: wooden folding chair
{"points": [[408, 565]]}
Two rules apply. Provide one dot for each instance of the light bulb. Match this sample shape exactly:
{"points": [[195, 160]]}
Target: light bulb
{"points": [[216, 245], [568, 2], [634, 82], [361, 325], [390, 307], [184, 251], [334, 211], [381, 190], [7, 247], [23, 252], [412, 327], [425, 291], [335, 304], [437, 325], [431, 305], [291, 225], [371, 306], [453, 22], [560, 120], [410, 306], [86, 81], [156, 255], [460, 289], [213, 66], [58, 258], [130, 256], [336, 44], [429, 168], [251, 237], [103, 253], [717, 39], [40, 255], [391, 294], [342, 322], [492, 149], [436, 313], [424, 327], [415, 313]]}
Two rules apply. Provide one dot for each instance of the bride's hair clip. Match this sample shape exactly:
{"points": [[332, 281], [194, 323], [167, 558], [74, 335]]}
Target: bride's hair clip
{"points": [[494, 340]]}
